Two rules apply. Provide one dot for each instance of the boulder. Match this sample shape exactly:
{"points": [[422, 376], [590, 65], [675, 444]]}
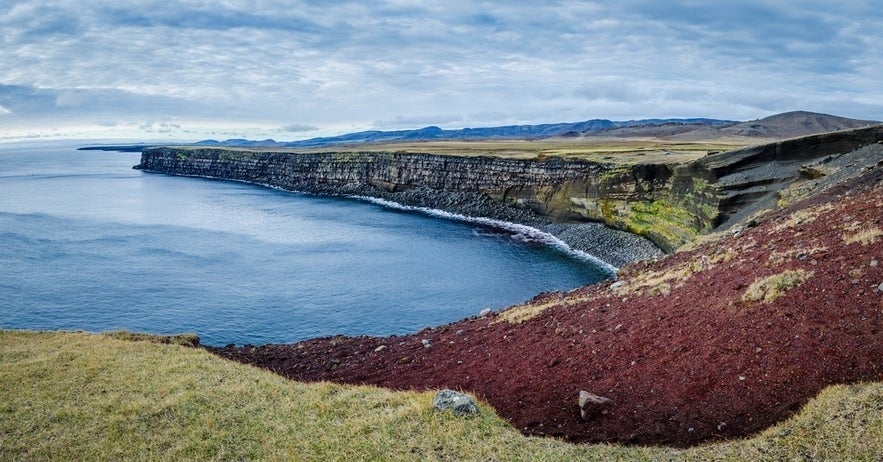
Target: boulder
{"points": [[462, 404], [591, 406]]}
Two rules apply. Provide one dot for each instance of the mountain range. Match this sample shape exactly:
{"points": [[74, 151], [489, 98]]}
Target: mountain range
{"points": [[779, 126], [508, 132]]}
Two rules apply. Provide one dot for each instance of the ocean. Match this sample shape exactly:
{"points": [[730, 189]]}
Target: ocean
{"points": [[88, 243]]}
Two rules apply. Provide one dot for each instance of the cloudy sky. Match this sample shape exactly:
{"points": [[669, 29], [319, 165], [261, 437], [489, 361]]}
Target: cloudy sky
{"points": [[147, 69]]}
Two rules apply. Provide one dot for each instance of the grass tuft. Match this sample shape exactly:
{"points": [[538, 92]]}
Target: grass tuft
{"points": [[770, 288], [804, 216], [865, 236], [520, 313], [660, 283]]}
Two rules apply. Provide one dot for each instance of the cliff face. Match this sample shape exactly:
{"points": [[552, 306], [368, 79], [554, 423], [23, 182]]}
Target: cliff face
{"points": [[669, 204], [633, 198]]}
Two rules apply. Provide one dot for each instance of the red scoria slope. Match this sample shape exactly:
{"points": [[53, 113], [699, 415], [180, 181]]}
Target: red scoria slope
{"points": [[686, 347]]}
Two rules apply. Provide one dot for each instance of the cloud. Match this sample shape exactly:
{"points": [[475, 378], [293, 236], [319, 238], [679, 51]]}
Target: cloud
{"points": [[94, 105], [3, 110], [159, 127], [412, 63], [297, 128], [70, 98]]}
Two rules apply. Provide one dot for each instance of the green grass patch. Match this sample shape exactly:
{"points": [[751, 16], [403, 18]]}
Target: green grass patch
{"points": [[76, 396]]}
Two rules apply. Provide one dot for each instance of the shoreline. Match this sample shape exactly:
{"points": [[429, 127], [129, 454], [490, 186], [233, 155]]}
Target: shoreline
{"points": [[595, 242]]}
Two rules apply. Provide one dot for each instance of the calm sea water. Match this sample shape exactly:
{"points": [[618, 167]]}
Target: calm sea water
{"points": [[88, 243]]}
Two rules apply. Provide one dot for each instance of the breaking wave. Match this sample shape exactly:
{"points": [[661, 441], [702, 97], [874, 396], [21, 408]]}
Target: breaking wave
{"points": [[517, 232]]}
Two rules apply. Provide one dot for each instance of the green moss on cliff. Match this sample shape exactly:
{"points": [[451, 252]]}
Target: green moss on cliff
{"points": [[666, 224]]}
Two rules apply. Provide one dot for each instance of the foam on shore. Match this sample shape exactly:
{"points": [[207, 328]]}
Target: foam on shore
{"points": [[518, 232]]}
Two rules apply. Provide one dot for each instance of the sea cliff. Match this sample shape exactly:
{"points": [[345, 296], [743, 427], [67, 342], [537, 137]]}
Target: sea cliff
{"points": [[668, 203]]}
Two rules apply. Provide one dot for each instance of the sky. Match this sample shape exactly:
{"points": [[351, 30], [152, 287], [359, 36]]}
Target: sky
{"points": [[288, 70]]}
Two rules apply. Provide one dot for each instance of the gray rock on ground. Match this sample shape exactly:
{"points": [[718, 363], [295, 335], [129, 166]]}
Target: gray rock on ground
{"points": [[591, 405], [462, 404]]}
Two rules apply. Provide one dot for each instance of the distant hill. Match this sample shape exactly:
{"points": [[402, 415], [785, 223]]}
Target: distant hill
{"points": [[794, 124], [432, 133], [780, 126]]}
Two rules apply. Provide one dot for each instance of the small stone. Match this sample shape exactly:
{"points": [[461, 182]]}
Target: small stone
{"points": [[591, 405], [617, 285], [380, 348], [426, 343], [880, 287], [462, 404], [874, 263], [459, 332], [741, 378], [855, 281], [484, 312]]}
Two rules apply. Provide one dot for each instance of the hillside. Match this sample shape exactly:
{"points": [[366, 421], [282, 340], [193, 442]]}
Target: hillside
{"points": [[794, 124], [720, 341], [776, 127]]}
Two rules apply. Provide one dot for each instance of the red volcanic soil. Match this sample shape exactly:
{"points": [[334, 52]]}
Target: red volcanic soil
{"points": [[683, 356]]}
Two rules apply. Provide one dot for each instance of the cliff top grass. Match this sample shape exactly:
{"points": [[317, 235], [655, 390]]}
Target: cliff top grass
{"points": [[76, 396], [625, 151]]}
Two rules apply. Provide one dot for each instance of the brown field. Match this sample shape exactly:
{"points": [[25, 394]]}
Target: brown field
{"points": [[604, 150]]}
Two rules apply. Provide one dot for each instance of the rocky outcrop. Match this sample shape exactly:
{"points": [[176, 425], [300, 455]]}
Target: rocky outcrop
{"points": [[670, 204]]}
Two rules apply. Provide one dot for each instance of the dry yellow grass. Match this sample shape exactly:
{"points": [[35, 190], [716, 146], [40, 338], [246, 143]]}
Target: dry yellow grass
{"points": [[804, 216], [866, 236], [776, 257], [768, 289], [520, 313], [652, 283]]}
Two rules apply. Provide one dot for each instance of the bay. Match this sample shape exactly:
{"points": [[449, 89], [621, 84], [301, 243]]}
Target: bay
{"points": [[87, 243]]}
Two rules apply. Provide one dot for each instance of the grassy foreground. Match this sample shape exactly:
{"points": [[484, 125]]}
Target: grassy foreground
{"points": [[75, 396]]}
